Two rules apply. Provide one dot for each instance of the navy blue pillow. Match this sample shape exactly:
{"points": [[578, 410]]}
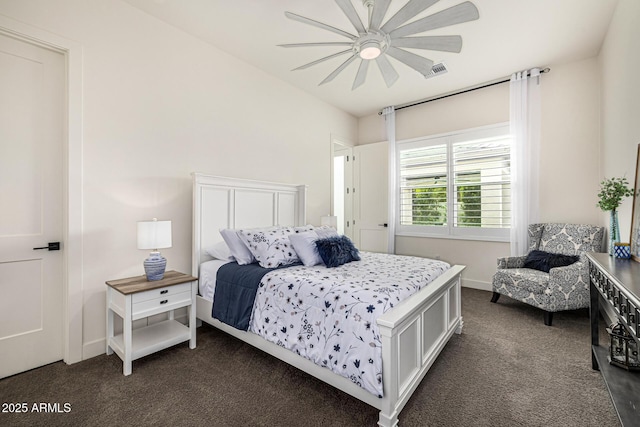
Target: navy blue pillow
{"points": [[337, 250], [545, 261]]}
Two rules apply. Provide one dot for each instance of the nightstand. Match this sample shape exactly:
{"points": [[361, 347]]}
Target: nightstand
{"points": [[136, 298]]}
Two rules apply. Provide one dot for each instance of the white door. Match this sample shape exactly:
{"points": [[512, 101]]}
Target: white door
{"points": [[371, 183], [32, 101], [343, 188]]}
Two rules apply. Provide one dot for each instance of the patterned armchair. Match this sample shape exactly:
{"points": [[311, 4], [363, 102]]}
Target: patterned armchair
{"points": [[563, 288]]}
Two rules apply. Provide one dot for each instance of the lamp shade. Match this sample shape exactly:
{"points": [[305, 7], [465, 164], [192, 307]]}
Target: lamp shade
{"points": [[154, 234], [330, 220]]}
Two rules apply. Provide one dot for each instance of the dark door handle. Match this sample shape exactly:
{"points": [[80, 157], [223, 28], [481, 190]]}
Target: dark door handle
{"points": [[52, 246], [383, 225]]}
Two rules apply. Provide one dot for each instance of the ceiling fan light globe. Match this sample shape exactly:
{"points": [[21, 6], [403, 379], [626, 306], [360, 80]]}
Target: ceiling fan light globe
{"points": [[370, 50]]}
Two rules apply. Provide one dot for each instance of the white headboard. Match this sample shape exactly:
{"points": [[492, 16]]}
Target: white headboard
{"points": [[220, 202]]}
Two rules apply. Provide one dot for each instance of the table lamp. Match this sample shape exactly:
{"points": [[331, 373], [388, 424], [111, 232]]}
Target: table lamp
{"points": [[330, 220], [154, 235]]}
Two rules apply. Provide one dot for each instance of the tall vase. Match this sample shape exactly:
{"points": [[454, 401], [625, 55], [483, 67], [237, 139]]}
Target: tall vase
{"points": [[614, 231]]}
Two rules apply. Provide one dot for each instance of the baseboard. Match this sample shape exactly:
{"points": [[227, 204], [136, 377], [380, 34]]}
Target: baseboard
{"points": [[94, 348], [476, 284]]}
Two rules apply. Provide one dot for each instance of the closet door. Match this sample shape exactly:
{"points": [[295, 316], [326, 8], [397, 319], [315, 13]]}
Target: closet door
{"points": [[371, 182]]}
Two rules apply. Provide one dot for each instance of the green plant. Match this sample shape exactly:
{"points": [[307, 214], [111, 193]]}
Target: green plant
{"points": [[612, 191]]}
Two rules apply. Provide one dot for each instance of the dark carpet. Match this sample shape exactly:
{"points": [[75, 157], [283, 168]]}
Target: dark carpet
{"points": [[506, 369]]}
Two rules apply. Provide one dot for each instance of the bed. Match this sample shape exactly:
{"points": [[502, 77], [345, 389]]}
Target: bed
{"points": [[411, 334]]}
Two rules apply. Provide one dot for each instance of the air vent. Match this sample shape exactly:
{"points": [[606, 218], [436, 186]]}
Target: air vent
{"points": [[436, 70]]}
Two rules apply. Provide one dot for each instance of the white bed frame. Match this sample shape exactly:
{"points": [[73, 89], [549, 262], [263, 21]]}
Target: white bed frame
{"points": [[413, 333]]}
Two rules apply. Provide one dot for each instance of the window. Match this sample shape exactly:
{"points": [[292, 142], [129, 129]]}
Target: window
{"points": [[456, 185]]}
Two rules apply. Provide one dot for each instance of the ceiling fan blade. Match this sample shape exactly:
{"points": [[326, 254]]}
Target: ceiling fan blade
{"points": [[316, 44], [362, 74], [407, 12], [439, 43], [458, 14], [379, 10], [418, 63], [317, 61], [317, 24], [389, 73], [347, 8], [338, 70]]}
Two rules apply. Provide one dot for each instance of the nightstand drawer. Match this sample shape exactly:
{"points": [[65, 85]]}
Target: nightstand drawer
{"points": [[160, 292], [160, 305]]}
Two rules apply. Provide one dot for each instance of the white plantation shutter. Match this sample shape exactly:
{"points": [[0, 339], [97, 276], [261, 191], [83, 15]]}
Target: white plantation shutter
{"points": [[482, 183], [456, 185], [423, 186]]}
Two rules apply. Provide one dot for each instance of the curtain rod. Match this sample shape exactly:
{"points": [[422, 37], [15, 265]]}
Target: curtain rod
{"points": [[480, 86]]}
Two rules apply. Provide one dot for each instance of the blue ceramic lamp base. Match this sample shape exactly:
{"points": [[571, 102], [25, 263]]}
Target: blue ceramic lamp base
{"points": [[154, 266]]}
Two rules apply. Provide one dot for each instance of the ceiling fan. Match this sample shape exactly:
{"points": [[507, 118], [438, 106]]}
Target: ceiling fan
{"points": [[378, 40]]}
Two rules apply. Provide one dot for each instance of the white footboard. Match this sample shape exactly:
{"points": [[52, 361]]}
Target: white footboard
{"points": [[413, 334]]}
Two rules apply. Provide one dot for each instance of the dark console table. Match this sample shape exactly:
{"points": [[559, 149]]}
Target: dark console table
{"points": [[618, 282]]}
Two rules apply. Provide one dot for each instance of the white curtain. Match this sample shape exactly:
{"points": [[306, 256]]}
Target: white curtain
{"points": [[525, 158], [389, 114]]}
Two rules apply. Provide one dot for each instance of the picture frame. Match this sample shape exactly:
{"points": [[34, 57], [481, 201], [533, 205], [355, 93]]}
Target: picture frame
{"points": [[635, 214]]}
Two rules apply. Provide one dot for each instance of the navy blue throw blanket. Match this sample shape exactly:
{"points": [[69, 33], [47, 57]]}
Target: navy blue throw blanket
{"points": [[236, 287]]}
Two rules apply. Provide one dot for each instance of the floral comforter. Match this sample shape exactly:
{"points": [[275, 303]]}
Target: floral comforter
{"points": [[328, 315]]}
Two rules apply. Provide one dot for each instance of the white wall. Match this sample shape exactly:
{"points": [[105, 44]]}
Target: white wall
{"points": [[159, 104], [569, 155], [620, 61]]}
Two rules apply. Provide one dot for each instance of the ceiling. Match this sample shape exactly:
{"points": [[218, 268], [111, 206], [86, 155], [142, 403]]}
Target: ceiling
{"points": [[510, 35]]}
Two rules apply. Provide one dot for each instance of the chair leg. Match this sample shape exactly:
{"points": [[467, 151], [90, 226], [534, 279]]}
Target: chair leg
{"points": [[548, 318], [495, 297]]}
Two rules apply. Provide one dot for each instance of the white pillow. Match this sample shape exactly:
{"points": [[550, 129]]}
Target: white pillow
{"points": [[305, 246], [220, 251], [271, 248], [238, 249]]}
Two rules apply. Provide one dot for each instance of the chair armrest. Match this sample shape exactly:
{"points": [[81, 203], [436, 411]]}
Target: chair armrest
{"points": [[558, 272], [566, 278], [511, 262], [570, 285]]}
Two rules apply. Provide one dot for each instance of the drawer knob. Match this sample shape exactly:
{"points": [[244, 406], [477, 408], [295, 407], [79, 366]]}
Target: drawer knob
{"points": [[164, 301], [164, 291]]}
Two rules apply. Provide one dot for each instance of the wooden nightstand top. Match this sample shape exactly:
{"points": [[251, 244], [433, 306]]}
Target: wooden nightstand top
{"points": [[132, 285]]}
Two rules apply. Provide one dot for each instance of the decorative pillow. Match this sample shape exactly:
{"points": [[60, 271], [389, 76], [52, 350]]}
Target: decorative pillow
{"points": [[545, 261], [303, 228], [336, 251], [304, 244], [238, 248], [270, 248], [220, 251]]}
